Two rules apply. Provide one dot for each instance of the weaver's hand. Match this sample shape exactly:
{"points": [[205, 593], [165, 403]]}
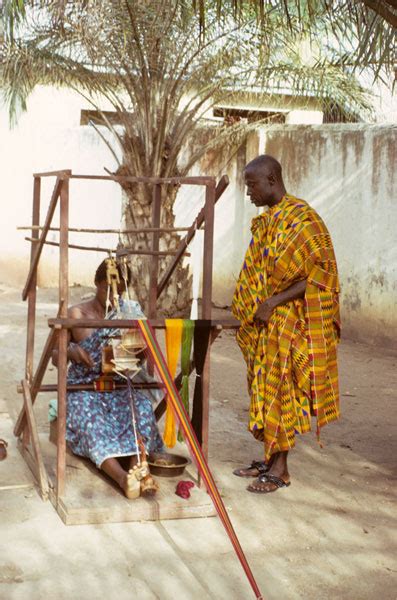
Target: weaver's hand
{"points": [[264, 311], [79, 355]]}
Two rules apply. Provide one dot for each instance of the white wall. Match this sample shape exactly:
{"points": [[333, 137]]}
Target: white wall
{"points": [[49, 137]]}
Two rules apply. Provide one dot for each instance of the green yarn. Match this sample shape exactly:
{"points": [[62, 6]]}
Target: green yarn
{"points": [[186, 350]]}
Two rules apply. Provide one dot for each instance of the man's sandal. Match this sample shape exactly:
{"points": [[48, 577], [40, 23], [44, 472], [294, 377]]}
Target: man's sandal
{"points": [[265, 478], [3, 449], [259, 465]]}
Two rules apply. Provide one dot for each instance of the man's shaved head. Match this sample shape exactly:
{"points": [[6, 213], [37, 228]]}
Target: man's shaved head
{"points": [[267, 164], [264, 181]]}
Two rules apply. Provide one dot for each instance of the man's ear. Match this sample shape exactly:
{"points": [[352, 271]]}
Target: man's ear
{"points": [[271, 179]]}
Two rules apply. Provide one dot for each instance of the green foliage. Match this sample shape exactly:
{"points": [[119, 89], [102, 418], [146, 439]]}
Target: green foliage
{"points": [[161, 70]]}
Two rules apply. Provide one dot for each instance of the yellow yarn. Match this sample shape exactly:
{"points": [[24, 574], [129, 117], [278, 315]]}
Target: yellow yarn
{"points": [[173, 342]]}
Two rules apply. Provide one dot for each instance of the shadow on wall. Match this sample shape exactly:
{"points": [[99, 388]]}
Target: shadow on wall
{"points": [[346, 173]]}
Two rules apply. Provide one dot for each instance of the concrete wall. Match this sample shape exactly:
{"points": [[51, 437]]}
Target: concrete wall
{"points": [[348, 173]]}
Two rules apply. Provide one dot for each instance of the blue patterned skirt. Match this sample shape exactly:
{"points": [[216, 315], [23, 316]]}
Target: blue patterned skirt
{"points": [[99, 424]]}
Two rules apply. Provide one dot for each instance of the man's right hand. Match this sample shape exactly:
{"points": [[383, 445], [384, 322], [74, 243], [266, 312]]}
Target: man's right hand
{"points": [[79, 355]]}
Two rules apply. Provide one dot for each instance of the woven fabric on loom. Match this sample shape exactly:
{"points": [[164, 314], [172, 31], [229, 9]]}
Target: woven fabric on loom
{"points": [[291, 363], [186, 350]]}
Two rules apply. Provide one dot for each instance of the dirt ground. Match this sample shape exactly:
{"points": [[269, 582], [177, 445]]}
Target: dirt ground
{"points": [[330, 536]]}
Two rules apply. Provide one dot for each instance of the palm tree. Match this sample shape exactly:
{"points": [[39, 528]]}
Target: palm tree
{"points": [[162, 67]]}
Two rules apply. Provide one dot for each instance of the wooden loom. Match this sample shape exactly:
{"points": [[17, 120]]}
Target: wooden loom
{"points": [[50, 470]]}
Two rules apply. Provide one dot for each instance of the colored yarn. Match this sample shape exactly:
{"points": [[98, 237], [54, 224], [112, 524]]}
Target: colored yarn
{"points": [[173, 341]]}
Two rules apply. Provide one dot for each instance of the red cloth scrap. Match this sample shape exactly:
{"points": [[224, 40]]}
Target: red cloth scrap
{"points": [[182, 489]]}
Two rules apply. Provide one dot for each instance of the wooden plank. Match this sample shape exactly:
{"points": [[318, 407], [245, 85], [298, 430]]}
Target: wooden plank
{"points": [[37, 379], [206, 304], [181, 249], [50, 213], [59, 323], [154, 263], [40, 468], [63, 337], [91, 497]]}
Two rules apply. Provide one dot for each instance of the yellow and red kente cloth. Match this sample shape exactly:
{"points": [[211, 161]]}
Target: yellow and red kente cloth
{"points": [[291, 362]]}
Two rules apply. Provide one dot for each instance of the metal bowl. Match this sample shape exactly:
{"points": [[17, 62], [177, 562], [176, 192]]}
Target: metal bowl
{"points": [[167, 465]]}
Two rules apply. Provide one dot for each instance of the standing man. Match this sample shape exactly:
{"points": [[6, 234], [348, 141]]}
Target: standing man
{"points": [[286, 300]]}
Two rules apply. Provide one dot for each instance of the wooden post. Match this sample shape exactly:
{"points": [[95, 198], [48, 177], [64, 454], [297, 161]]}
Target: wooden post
{"points": [[208, 252], [154, 263], [206, 307], [63, 336]]}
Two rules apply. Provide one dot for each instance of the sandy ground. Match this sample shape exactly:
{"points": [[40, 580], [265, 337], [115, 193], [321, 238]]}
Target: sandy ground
{"points": [[331, 535]]}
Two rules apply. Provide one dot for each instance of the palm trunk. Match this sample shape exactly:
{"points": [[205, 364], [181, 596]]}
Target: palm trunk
{"points": [[176, 297]]}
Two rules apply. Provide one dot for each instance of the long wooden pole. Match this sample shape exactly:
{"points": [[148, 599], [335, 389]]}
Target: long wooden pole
{"points": [[31, 316], [33, 289], [62, 338], [123, 252], [118, 231]]}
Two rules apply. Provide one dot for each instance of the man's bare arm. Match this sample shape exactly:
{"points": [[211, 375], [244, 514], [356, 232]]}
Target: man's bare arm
{"points": [[295, 291]]}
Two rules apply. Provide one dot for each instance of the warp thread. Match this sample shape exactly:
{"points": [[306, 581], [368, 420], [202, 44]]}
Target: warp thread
{"points": [[202, 332]]}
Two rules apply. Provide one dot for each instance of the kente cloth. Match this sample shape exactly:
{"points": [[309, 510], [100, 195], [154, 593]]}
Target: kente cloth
{"points": [[173, 341], [99, 425], [291, 362]]}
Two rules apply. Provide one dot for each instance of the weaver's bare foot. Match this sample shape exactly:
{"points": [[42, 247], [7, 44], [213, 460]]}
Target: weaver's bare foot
{"points": [[131, 486]]}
